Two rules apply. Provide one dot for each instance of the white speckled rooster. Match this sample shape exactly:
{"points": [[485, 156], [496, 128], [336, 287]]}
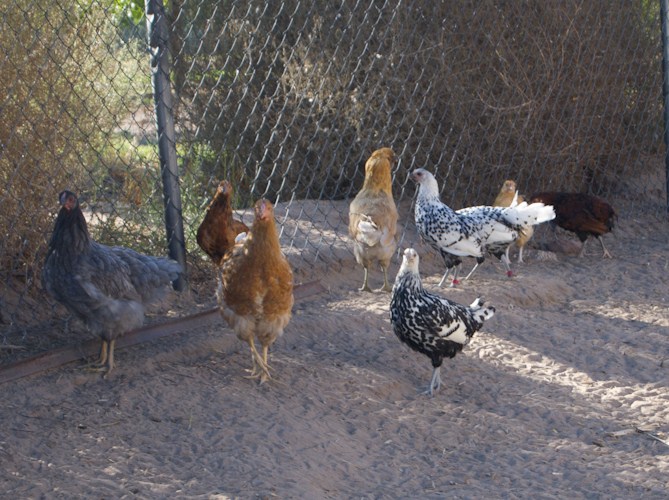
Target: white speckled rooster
{"points": [[472, 231]]}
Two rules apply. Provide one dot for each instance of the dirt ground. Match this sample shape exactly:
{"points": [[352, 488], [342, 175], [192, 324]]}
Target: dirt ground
{"points": [[564, 393]]}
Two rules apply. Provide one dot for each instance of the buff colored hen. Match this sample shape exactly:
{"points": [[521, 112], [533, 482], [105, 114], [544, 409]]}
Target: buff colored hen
{"points": [[506, 198], [373, 217]]}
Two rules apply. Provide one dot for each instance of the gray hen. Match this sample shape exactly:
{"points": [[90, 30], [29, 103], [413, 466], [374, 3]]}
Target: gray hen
{"points": [[105, 287]]}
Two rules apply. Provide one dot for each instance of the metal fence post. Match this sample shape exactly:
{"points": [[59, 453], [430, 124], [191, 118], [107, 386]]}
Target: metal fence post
{"points": [[158, 34], [664, 20]]}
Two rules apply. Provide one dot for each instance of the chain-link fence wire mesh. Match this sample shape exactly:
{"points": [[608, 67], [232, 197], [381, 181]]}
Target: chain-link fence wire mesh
{"points": [[287, 99]]}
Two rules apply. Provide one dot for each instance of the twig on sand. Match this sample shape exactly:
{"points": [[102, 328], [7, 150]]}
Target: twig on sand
{"points": [[651, 435], [639, 430]]}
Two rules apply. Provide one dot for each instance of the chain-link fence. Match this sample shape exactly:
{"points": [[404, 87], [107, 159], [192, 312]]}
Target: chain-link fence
{"points": [[287, 99]]}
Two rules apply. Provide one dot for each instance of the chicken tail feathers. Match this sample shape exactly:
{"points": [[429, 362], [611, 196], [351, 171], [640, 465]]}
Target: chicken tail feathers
{"points": [[479, 312], [529, 215], [149, 275]]}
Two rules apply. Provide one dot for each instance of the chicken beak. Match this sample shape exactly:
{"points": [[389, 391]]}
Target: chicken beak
{"points": [[414, 176], [67, 201], [262, 210]]}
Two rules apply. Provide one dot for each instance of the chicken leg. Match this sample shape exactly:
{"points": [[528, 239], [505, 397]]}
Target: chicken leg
{"points": [[605, 254], [105, 361], [260, 368], [455, 280], [582, 252], [265, 376], [435, 382], [452, 262], [386, 286], [365, 286], [479, 261]]}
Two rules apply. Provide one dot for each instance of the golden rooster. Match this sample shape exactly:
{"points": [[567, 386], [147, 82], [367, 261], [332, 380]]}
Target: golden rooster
{"points": [[373, 217], [218, 230], [505, 198], [255, 290]]}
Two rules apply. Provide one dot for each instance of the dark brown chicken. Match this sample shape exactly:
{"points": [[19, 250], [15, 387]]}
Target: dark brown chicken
{"points": [[255, 290], [105, 287], [582, 214], [218, 231]]}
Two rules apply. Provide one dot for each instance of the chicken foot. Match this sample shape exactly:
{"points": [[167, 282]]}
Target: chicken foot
{"points": [[435, 382], [455, 280], [507, 264], [520, 254], [365, 285], [386, 286], [105, 361], [260, 367], [451, 262], [605, 254]]}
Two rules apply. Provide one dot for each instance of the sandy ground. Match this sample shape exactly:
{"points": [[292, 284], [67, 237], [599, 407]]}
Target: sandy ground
{"points": [[565, 393]]}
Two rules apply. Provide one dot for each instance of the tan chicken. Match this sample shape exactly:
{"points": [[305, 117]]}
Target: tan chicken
{"points": [[218, 231], [373, 217], [255, 290], [505, 198]]}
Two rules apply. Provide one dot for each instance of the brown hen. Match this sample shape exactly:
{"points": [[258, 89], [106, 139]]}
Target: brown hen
{"points": [[218, 231], [505, 199], [373, 217], [582, 214], [255, 290]]}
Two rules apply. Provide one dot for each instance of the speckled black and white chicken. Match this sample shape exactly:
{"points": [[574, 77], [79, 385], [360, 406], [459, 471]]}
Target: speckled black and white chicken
{"points": [[428, 323], [471, 231]]}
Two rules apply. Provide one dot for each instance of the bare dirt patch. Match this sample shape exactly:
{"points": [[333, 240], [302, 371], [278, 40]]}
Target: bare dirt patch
{"points": [[566, 389]]}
